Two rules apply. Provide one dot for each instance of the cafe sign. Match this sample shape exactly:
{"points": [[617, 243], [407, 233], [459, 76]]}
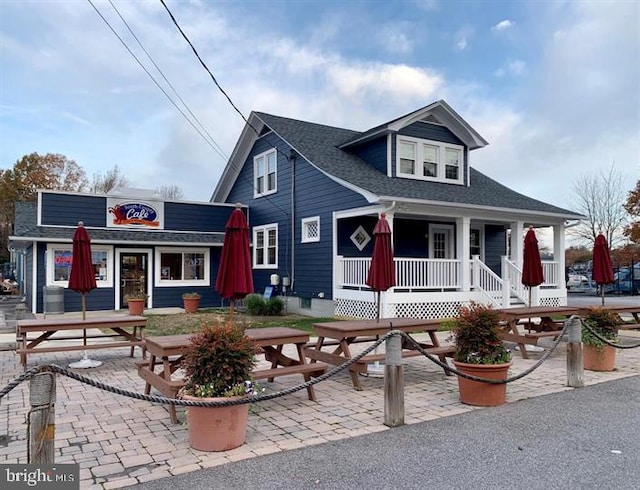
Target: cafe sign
{"points": [[127, 213]]}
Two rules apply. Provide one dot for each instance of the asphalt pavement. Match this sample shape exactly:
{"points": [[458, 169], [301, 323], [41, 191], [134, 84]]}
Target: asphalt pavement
{"points": [[580, 439]]}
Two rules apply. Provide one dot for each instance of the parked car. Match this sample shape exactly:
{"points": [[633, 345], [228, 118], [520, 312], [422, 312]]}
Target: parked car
{"points": [[578, 281], [625, 282]]}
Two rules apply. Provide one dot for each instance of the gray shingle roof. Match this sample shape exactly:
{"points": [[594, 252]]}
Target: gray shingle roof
{"points": [[26, 226], [319, 144]]}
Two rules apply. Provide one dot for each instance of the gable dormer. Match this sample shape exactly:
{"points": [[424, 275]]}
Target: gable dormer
{"points": [[430, 144]]}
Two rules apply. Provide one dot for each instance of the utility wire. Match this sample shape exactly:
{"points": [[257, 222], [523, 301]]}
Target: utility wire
{"points": [[156, 82], [167, 81]]}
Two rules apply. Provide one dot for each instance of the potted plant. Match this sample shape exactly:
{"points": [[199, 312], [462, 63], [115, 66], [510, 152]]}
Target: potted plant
{"points": [[480, 352], [191, 302], [136, 302], [597, 355], [218, 366]]}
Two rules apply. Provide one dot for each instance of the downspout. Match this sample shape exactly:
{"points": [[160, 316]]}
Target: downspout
{"points": [[292, 158]]}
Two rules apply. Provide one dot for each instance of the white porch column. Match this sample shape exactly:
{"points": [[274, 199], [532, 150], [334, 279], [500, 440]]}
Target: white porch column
{"points": [[463, 234], [517, 243], [558, 253]]}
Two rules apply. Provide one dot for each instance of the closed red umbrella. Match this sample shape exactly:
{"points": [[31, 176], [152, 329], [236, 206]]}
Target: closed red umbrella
{"points": [[382, 272], [82, 280], [602, 272], [234, 279], [531, 264]]}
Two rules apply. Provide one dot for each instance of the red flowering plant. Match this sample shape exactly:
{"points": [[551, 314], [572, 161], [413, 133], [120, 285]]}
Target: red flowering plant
{"points": [[477, 337], [219, 362]]}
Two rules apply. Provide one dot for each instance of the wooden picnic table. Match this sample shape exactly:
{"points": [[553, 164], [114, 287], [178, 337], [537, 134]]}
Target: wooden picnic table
{"points": [[549, 325], [166, 353], [345, 333], [47, 327], [551, 321]]}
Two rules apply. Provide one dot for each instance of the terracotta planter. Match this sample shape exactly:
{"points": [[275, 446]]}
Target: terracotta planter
{"points": [[599, 358], [136, 306], [191, 305], [478, 393], [217, 428]]}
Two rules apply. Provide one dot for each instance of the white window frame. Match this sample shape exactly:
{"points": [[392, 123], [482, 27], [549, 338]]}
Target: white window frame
{"points": [[265, 229], [263, 156], [449, 231], [305, 229], [419, 163], [205, 281], [53, 247]]}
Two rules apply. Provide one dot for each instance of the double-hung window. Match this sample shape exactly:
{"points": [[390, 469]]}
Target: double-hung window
{"points": [[265, 246], [265, 169], [429, 160]]}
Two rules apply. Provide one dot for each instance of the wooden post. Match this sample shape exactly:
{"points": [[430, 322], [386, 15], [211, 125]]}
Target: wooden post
{"points": [[575, 366], [393, 383], [41, 424]]}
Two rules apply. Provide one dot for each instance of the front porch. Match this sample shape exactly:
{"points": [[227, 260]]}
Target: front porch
{"points": [[436, 288]]}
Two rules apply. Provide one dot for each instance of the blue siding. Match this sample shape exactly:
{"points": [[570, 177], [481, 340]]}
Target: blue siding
{"points": [[315, 195], [346, 228], [68, 209], [195, 217], [374, 153], [495, 246]]}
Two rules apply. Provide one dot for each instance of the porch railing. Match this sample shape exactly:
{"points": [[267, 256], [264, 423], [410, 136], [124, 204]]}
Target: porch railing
{"points": [[486, 281], [411, 273]]}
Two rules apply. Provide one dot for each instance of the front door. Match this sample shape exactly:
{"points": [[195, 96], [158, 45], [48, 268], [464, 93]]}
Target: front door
{"points": [[441, 241], [133, 274]]}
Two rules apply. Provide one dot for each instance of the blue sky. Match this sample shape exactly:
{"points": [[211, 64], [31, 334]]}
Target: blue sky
{"points": [[553, 86]]}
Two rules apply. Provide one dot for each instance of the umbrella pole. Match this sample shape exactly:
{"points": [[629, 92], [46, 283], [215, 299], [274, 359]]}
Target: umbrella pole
{"points": [[231, 308], [375, 368], [602, 293], [84, 308]]}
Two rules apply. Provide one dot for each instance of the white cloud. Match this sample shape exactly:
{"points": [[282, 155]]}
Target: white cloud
{"points": [[516, 68], [503, 25], [462, 44]]}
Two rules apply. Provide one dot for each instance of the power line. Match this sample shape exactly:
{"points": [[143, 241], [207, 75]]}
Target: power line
{"points": [[167, 81], [156, 82]]}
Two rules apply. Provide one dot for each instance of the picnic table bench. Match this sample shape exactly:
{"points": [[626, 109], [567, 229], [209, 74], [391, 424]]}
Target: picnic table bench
{"points": [[166, 352], [344, 334], [128, 330]]}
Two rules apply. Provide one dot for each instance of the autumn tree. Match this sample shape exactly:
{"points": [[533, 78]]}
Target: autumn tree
{"points": [[600, 197], [633, 208], [170, 192], [111, 179], [30, 173]]}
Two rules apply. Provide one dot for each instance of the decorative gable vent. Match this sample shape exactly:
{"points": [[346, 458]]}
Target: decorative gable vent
{"points": [[360, 238]]}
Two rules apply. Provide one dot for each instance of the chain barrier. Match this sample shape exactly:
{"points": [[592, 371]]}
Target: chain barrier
{"points": [[317, 379], [605, 340]]}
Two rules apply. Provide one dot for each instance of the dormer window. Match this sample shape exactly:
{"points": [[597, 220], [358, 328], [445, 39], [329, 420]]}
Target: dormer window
{"points": [[429, 160], [265, 173]]}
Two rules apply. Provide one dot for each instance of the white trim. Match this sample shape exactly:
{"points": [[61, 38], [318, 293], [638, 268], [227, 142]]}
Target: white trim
{"points": [[304, 236], [34, 276], [50, 279], [264, 156], [205, 281], [367, 238], [389, 155], [442, 148], [118, 279], [265, 229]]}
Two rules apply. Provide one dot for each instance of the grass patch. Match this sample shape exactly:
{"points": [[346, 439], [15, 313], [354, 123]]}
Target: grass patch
{"points": [[186, 323]]}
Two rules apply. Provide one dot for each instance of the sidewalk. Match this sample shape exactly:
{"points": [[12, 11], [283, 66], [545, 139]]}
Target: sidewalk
{"points": [[119, 441]]}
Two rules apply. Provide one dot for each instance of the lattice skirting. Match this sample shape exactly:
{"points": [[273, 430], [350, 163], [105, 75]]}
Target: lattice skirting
{"points": [[348, 308]]}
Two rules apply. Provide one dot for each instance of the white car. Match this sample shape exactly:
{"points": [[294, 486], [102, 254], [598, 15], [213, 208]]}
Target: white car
{"points": [[577, 281]]}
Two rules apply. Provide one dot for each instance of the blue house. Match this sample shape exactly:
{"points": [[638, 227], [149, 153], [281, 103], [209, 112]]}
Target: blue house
{"points": [[140, 243], [315, 193]]}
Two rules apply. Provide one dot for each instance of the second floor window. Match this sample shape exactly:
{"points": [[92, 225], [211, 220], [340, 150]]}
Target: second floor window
{"points": [[265, 173], [429, 160]]}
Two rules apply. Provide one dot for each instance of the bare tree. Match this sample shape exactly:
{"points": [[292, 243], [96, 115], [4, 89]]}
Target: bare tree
{"points": [[170, 192], [113, 178], [600, 198]]}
